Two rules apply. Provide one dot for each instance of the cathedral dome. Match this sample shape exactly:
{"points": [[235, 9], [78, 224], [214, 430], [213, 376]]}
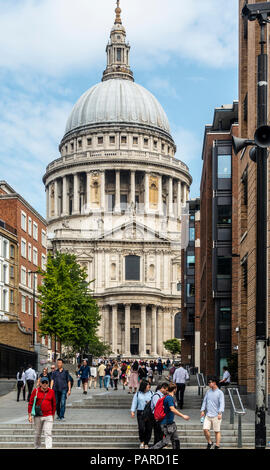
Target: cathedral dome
{"points": [[118, 101]]}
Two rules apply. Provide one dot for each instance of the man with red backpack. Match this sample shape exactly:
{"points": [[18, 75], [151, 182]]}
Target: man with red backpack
{"points": [[161, 391], [164, 413]]}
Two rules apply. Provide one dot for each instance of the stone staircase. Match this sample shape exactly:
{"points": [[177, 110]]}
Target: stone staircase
{"points": [[116, 436], [113, 400]]}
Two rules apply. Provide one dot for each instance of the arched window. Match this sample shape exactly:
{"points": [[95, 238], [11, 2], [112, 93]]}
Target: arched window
{"points": [[132, 268]]}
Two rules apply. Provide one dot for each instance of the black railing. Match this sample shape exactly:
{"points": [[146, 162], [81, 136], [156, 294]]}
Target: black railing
{"points": [[12, 359]]}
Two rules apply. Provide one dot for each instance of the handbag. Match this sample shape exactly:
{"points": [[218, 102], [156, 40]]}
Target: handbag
{"points": [[33, 412], [37, 409]]}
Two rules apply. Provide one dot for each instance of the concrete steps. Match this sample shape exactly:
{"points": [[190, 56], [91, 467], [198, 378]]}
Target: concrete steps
{"points": [[107, 436]]}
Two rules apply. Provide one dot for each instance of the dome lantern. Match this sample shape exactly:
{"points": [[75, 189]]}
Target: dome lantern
{"points": [[118, 51]]}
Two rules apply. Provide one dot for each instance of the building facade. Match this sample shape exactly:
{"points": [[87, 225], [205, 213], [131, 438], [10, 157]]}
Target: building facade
{"points": [[249, 48], [218, 194], [115, 198], [190, 261], [24, 251]]}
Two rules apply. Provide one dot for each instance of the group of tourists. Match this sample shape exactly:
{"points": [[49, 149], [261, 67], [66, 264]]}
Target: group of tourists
{"points": [[112, 373], [46, 398], [156, 410]]}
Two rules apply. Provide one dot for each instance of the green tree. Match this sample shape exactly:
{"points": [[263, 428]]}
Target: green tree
{"points": [[68, 309], [173, 346]]}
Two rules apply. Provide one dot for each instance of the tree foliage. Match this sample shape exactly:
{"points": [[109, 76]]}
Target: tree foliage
{"points": [[173, 346], [68, 309]]}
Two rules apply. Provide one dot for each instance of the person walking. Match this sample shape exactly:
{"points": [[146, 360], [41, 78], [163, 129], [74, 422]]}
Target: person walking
{"points": [[47, 403], [142, 372], [133, 378], [161, 391], [93, 376], [226, 379], [62, 387], [30, 377], [44, 373], [214, 403], [21, 383], [140, 400], [79, 379], [123, 374], [168, 426], [180, 377], [160, 367], [101, 373], [85, 374], [107, 376], [115, 374]]}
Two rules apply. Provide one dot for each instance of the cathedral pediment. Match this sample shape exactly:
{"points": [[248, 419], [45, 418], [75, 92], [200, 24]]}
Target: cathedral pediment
{"points": [[134, 231]]}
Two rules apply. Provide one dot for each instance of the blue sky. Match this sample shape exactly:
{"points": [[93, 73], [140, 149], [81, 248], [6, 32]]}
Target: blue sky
{"points": [[51, 51]]}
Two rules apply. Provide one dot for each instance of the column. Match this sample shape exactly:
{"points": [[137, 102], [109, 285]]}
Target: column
{"points": [[114, 328], [127, 330], [88, 192], [178, 198], [160, 202], [132, 188], [146, 192], [143, 331], [170, 196], [56, 213], [154, 331], [76, 197], [117, 191], [64, 196], [102, 191], [48, 201], [159, 331], [184, 193]]}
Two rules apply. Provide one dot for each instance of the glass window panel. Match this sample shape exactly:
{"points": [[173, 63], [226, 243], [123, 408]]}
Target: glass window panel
{"points": [[224, 166], [224, 214]]}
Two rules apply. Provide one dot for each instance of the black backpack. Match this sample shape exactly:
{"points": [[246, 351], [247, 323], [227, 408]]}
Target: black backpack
{"points": [[147, 412]]}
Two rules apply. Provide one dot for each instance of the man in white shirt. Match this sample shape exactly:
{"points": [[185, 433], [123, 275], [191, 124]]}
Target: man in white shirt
{"points": [[180, 377], [226, 379], [30, 377]]}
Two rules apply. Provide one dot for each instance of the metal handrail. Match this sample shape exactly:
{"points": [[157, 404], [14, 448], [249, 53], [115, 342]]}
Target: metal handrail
{"points": [[239, 412], [201, 383]]}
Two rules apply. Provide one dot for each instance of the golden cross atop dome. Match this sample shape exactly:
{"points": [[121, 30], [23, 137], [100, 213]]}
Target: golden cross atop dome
{"points": [[118, 13]]}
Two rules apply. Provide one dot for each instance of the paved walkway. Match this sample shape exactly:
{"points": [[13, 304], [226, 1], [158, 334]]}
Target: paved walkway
{"points": [[13, 412]]}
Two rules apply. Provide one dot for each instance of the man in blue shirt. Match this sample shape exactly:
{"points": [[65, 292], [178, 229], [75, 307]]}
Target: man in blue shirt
{"points": [[214, 403], [168, 425], [62, 388], [85, 374]]}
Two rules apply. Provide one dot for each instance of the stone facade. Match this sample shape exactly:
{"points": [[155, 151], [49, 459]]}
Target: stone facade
{"points": [[115, 198]]}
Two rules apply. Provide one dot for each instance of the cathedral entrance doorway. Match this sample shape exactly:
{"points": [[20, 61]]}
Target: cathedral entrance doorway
{"points": [[134, 341]]}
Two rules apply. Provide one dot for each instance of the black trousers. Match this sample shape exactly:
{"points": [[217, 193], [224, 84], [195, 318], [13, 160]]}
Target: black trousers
{"points": [[158, 433], [180, 394], [30, 385], [145, 428], [20, 386]]}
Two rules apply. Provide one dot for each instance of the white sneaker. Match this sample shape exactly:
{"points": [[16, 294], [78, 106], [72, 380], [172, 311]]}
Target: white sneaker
{"points": [[142, 446]]}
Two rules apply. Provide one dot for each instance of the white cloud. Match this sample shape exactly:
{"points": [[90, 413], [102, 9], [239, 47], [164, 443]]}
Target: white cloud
{"points": [[58, 36]]}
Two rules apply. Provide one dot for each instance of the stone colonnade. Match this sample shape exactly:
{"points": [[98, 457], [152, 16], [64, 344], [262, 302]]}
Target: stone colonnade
{"points": [[87, 189], [117, 331]]}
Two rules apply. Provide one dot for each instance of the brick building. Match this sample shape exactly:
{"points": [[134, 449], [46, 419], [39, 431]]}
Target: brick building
{"points": [[218, 182], [27, 252], [249, 48]]}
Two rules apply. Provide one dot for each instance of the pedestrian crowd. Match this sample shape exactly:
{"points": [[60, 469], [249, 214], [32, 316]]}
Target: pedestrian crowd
{"points": [[156, 410]]}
